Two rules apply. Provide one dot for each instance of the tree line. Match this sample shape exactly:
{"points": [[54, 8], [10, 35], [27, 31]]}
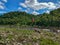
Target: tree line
{"points": [[23, 18]]}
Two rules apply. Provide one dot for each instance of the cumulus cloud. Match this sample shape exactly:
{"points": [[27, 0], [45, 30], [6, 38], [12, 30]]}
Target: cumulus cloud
{"points": [[22, 4], [48, 11], [19, 8], [58, 5], [35, 13], [2, 6], [1, 3], [51, 5], [34, 4], [4, 0], [28, 10]]}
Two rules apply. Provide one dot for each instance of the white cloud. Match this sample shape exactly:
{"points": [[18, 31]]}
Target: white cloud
{"points": [[1, 3], [34, 4], [51, 5], [4, 0], [2, 6], [19, 8], [28, 10], [35, 13], [48, 11], [23, 5], [58, 5]]}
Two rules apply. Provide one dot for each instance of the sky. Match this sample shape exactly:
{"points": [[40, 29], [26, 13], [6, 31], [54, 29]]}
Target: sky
{"points": [[29, 6]]}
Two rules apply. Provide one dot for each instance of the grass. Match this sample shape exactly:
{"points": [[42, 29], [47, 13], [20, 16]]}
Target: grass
{"points": [[11, 36]]}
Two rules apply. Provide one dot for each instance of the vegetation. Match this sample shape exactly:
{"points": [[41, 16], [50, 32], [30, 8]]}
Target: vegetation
{"points": [[22, 18], [11, 33], [12, 36]]}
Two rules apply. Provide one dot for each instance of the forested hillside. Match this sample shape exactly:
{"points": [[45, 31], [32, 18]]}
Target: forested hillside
{"points": [[22, 18]]}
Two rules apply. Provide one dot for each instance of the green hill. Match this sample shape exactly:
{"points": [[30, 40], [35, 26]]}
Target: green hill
{"points": [[22, 18]]}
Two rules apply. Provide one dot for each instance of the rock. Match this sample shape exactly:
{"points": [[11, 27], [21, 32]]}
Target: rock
{"points": [[58, 31], [48, 30]]}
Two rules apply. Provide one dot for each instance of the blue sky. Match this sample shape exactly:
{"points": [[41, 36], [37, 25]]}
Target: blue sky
{"points": [[29, 6]]}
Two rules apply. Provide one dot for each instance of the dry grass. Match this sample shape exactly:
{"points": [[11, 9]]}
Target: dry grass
{"points": [[12, 36]]}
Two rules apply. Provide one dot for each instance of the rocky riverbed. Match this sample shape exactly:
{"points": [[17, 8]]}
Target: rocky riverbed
{"points": [[28, 37]]}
